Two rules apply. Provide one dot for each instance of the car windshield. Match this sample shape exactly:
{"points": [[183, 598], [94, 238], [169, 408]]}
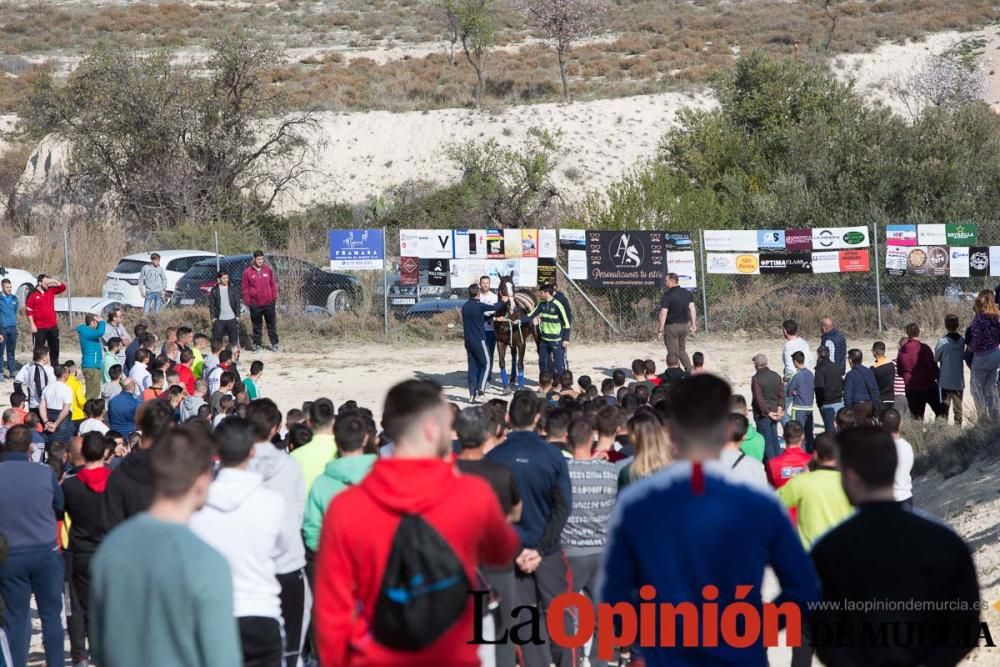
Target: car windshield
{"points": [[201, 272], [130, 266], [182, 264]]}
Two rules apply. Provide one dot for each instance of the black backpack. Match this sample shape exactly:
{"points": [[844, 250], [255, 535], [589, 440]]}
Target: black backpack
{"points": [[425, 589]]}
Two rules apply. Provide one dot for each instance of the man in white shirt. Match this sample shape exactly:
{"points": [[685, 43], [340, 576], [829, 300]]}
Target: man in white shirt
{"points": [[57, 399], [243, 520], [902, 485], [742, 467], [793, 343], [489, 297], [34, 377], [139, 372]]}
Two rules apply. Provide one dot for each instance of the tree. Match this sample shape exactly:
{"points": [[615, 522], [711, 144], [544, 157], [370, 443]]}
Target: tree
{"points": [[474, 22], [832, 9], [163, 144], [564, 22], [940, 82]]}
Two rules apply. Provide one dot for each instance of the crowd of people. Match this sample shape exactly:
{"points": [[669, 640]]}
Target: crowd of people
{"points": [[195, 524]]}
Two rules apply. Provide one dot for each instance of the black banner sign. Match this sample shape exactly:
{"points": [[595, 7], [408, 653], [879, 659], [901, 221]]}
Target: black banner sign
{"points": [[626, 258], [547, 271], [979, 261], [790, 262], [437, 272]]}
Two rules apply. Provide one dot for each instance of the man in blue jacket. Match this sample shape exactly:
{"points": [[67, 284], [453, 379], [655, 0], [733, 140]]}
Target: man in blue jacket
{"points": [[542, 477], [714, 542], [31, 498], [91, 353], [474, 314], [860, 388], [8, 327]]}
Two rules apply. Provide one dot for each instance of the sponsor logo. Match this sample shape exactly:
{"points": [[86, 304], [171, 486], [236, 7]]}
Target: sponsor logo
{"points": [[980, 261], [626, 251], [408, 265], [825, 238], [747, 264], [854, 238], [718, 262]]}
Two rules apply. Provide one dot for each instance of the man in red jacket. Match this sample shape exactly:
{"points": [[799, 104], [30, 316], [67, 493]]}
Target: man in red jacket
{"points": [[40, 308], [791, 462], [916, 365], [260, 292], [360, 527]]}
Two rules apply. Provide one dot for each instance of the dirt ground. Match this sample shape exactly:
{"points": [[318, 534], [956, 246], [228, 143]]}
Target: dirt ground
{"points": [[969, 502]]}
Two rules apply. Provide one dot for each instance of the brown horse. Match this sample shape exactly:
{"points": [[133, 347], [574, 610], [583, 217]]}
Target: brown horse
{"points": [[510, 333]]}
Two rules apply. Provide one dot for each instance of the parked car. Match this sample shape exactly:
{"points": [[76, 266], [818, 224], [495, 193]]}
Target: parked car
{"points": [[122, 282], [21, 282], [298, 281], [86, 305], [433, 307]]}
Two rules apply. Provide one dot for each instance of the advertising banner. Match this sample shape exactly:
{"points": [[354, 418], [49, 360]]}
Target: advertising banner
{"points": [[426, 243], [470, 243], [682, 262], [625, 258], [979, 261], [918, 261], [357, 249], [409, 270], [733, 263], [799, 240], [901, 235], [962, 234], [547, 271], [853, 261], [730, 239], [677, 241], [572, 239], [784, 263], [839, 238], [771, 239], [932, 235], [826, 261], [959, 262], [494, 244], [438, 272], [548, 246]]}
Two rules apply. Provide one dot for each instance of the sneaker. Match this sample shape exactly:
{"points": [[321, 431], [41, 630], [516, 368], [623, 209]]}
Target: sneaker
{"points": [[257, 348], [274, 348]]}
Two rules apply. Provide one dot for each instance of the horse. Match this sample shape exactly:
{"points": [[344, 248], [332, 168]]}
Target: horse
{"points": [[510, 333]]}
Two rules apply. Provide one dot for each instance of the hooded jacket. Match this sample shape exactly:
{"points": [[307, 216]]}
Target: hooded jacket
{"points": [[243, 521], [337, 476], [915, 364], [83, 495], [258, 286], [91, 352], [129, 490], [950, 353], [189, 407], [283, 475], [357, 540]]}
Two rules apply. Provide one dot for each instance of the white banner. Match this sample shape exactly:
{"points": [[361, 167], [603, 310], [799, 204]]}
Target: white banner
{"points": [[577, 260], [826, 262], [547, 244], [469, 243], [733, 263], [731, 239], [426, 243], [994, 260], [896, 258], [959, 262], [682, 262], [932, 235], [840, 238]]}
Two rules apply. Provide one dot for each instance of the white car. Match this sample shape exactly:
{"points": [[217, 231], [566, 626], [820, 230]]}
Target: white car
{"points": [[21, 282], [122, 282], [85, 305]]}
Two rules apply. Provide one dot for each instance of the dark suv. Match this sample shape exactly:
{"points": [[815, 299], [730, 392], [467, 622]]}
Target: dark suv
{"points": [[299, 283]]}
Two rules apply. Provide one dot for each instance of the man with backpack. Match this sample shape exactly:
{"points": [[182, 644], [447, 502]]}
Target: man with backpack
{"points": [[411, 513]]}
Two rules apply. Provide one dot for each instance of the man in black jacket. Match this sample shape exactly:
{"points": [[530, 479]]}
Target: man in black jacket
{"points": [[898, 588], [224, 309], [130, 485], [829, 388], [84, 501]]}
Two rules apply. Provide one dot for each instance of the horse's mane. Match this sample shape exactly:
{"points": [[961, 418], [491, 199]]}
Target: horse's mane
{"points": [[524, 299]]}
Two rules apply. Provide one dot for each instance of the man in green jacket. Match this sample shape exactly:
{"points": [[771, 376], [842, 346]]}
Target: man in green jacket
{"points": [[153, 560], [553, 326], [348, 469], [314, 455], [753, 442]]}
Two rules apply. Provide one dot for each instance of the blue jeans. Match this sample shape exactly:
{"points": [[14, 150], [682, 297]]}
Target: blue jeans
{"points": [[804, 416], [9, 344], [476, 356], [153, 302], [491, 346], [39, 572], [984, 384], [551, 358], [768, 428], [829, 414]]}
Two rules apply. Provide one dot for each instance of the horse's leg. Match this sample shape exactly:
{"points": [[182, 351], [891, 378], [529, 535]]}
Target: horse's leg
{"points": [[521, 347], [502, 351]]}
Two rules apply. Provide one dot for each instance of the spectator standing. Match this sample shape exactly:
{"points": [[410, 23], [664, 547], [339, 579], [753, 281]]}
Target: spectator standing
{"points": [[791, 462], [542, 477], [114, 328], [140, 374], [885, 377], [741, 466], [122, 407], [8, 328], [829, 385], [816, 496], [490, 298], [260, 293], [314, 456], [768, 404], [112, 357], [242, 520], [982, 342], [474, 314], [185, 375], [33, 378], [34, 564], [834, 341], [793, 343], [152, 285], [185, 585], [90, 333], [902, 485], [674, 372], [753, 442], [224, 309], [799, 396], [76, 413], [94, 411], [553, 327], [55, 408], [950, 354], [678, 317], [252, 382], [860, 389], [130, 486], [40, 309], [140, 341], [84, 502], [939, 572], [915, 364], [700, 492], [416, 493]]}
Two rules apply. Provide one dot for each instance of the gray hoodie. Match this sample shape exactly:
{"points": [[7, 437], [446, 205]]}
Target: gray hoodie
{"points": [[283, 474], [949, 352], [189, 407]]}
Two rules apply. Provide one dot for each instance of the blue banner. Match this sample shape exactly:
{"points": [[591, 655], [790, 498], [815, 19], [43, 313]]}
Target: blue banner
{"points": [[357, 249], [771, 239]]}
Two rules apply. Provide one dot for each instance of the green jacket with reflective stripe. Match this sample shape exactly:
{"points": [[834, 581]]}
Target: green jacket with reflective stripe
{"points": [[554, 324]]}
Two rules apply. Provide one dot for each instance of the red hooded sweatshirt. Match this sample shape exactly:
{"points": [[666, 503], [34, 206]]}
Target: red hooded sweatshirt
{"points": [[916, 365], [358, 529], [259, 288]]}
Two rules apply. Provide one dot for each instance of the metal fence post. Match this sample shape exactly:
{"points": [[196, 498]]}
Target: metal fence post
{"points": [[69, 283], [217, 261], [878, 277], [704, 281], [385, 284]]}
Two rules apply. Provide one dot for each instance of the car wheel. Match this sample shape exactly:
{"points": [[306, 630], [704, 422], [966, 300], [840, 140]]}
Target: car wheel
{"points": [[22, 293], [338, 302]]}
